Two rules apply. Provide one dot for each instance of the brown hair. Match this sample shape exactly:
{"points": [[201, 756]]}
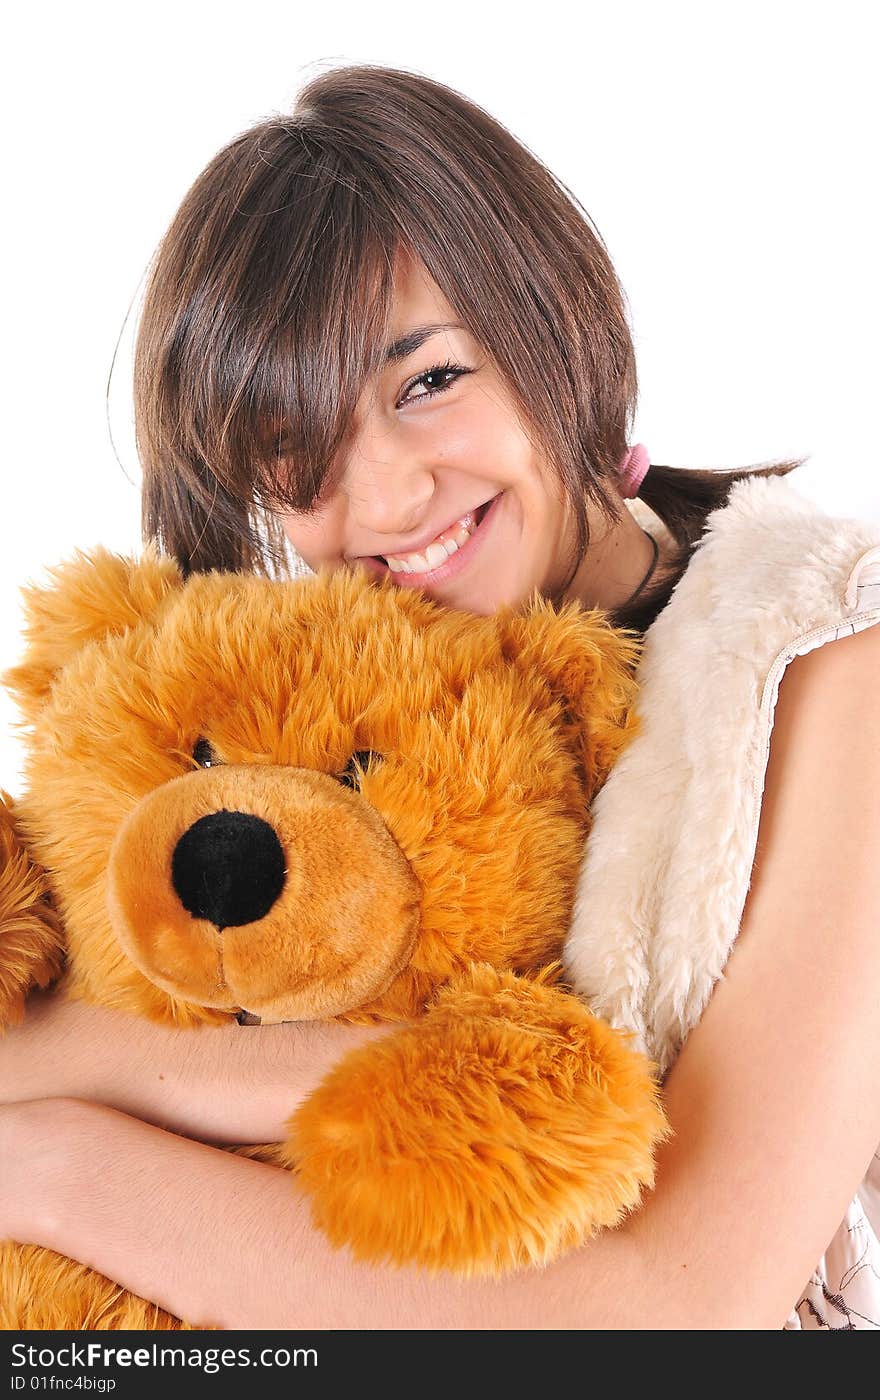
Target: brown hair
{"points": [[269, 298]]}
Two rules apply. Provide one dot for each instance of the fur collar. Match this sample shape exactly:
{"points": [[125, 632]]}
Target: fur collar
{"points": [[668, 862]]}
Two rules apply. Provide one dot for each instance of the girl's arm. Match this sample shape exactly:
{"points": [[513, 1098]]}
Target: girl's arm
{"points": [[773, 1100], [219, 1084]]}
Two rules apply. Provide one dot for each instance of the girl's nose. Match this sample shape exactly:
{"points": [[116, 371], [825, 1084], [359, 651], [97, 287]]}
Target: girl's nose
{"points": [[388, 495]]}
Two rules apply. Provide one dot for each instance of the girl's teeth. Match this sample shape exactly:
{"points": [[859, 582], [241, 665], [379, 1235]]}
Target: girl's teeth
{"points": [[435, 555], [446, 543]]}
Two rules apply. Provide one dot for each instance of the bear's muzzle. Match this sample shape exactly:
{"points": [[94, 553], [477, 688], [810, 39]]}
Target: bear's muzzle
{"points": [[266, 888]]}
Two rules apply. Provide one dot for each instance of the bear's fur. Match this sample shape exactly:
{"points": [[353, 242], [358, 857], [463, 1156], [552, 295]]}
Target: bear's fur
{"points": [[334, 798]]}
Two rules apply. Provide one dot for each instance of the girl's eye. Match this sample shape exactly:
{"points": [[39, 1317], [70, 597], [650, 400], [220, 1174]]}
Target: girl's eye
{"points": [[436, 380]]}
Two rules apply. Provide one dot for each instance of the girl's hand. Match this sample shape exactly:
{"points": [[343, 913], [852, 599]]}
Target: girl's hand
{"points": [[229, 1084]]}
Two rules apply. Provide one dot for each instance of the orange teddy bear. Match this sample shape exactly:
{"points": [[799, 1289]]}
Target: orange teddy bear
{"points": [[335, 798]]}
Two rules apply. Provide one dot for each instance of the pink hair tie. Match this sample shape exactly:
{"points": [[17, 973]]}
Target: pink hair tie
{"points": [[633, 470]]}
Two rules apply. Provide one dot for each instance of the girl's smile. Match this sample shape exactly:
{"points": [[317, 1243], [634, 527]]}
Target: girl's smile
{"points": [[422, 566]]}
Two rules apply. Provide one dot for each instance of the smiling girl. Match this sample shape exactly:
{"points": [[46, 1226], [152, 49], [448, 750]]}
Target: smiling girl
{"points": [[379, 330]]}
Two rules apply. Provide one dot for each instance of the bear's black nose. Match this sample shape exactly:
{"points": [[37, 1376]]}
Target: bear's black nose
{"points": [[228, 868]]}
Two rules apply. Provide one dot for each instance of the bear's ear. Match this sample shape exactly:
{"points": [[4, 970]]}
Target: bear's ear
{"points": [[92, 595], [586, 664]]}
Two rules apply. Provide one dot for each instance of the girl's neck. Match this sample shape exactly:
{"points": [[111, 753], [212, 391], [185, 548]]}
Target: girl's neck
{"points": [[615, 565]]}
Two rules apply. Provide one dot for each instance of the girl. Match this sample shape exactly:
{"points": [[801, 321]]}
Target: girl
{"points": [[380, 330]]}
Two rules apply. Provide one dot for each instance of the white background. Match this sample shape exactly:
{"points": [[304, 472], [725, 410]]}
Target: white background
{"points": [[724, 152]]}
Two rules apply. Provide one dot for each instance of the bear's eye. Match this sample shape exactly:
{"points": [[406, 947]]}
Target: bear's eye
{"points": [[204, 755], [351, 773]]}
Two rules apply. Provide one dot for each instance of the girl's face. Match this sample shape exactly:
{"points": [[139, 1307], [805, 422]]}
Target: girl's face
{"points": [[439, 484]]}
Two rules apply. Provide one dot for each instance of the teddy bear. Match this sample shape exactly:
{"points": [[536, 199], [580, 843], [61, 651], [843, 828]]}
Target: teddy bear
{"points": [[333, 798]]}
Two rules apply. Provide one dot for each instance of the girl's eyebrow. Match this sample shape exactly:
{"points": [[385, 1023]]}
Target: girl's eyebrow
{"points": [[407, 344]]}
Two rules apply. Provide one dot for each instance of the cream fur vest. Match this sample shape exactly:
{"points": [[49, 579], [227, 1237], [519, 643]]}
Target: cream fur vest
{"points": [[668, 863]]}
